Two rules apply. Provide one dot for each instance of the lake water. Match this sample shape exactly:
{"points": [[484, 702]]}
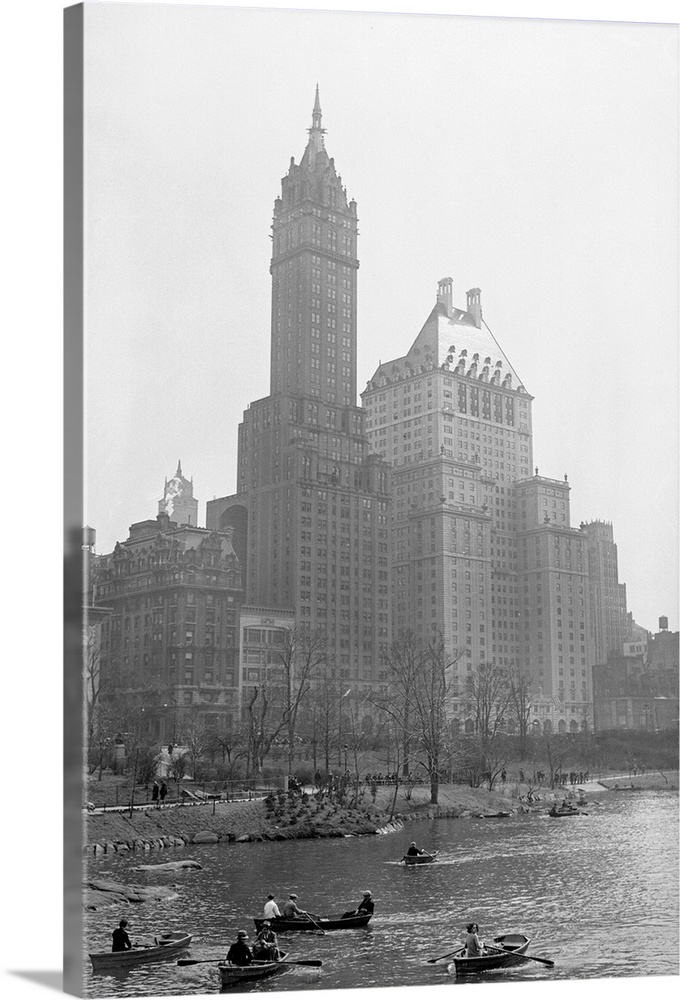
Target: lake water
{"points": [[597, 894]]}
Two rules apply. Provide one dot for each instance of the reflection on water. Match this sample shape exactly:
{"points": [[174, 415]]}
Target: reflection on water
{"points": [[598, 894]]}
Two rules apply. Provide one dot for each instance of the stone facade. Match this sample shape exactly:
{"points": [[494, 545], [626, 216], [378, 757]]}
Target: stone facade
{"points": [[483, 550], [169, 645], [639, 691], [311, 513]]}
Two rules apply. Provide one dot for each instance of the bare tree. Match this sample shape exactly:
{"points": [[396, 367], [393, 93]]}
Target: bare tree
{"points": [[420, 684], [231, 745], [196, 739], [301, 656], [556, 749], [488, 692], [498, 753], [520, 703], [322, 714], [262, 728]]}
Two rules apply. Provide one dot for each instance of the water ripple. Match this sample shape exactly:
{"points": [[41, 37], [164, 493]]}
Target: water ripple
{"points": [[598, 894]]}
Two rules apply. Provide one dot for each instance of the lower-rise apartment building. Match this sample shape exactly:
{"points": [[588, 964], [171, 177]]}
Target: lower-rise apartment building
{"points": [[169, 644]]}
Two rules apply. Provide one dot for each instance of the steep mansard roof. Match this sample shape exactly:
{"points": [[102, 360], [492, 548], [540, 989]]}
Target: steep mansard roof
{"points": [[451, 339]]}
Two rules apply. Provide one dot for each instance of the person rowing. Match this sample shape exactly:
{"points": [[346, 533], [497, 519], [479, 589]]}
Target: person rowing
{"points": [[240, 953], [414, 851], [474, 946], [291, 911]]}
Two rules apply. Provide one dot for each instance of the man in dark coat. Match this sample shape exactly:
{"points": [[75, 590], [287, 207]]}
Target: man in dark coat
{"points": [[266, 947], [365, 906], [121, 941], [240, 953]]}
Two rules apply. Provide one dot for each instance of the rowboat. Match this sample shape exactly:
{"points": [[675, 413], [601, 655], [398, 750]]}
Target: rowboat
{"points": [[419, 859], [564, 811], [232, 975], [510, 952], [331, 923], [165, 945]]}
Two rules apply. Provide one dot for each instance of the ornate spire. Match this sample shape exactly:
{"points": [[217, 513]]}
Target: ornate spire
{"points": [[316, 132], [178, 474]]}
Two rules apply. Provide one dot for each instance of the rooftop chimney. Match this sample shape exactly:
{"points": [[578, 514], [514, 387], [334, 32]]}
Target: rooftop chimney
{"points": [[445, 294], [474, 305]]}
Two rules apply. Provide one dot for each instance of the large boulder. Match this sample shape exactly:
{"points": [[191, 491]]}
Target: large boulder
{"points": [[205, 837], [98, 893], [169, 866]]}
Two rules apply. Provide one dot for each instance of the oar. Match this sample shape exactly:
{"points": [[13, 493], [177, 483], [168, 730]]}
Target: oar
{"points": [[431, 961], [315, 962], [533, 958], [322, 931]]}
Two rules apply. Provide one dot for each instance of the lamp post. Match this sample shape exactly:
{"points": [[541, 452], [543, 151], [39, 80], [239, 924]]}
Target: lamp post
{"points": [[346, 748]]}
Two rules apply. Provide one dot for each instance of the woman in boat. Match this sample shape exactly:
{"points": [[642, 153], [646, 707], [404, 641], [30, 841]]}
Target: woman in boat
{"points": [[240, 953], [474, 946], [121, 941], [266, 947]]}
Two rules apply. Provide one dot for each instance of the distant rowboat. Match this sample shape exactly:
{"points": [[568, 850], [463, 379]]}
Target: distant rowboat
{"points": [[419, 859], [166, 945], [558, 811]]}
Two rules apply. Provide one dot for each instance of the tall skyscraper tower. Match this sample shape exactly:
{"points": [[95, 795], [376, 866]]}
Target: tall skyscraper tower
{"points": [[311, 510], [480, 545]]}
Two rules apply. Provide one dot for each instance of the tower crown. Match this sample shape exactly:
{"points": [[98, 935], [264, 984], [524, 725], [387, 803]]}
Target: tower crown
{"points": [[316, 132]]}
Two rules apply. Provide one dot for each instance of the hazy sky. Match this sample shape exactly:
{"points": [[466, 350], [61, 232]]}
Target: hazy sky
{"points": [[429, 202], [535, 159]]}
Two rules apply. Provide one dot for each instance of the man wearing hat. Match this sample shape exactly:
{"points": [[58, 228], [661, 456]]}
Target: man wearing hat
{"points": [[365, 906], [240, 953], [266, 947], [290, 908]]}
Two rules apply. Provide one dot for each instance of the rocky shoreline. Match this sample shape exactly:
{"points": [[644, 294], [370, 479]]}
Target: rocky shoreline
{"points": [[243, 822]]}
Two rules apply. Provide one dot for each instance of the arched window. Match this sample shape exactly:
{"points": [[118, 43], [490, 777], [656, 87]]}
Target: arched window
{"points": [[469, 726], [547, 727], [561, 726]]}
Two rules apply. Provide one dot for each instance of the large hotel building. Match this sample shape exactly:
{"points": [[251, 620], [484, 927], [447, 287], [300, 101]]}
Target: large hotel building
{"points": [[482, 545]]}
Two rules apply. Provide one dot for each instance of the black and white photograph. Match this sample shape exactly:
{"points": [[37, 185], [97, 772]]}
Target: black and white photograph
{"points": [[371, 489]]}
